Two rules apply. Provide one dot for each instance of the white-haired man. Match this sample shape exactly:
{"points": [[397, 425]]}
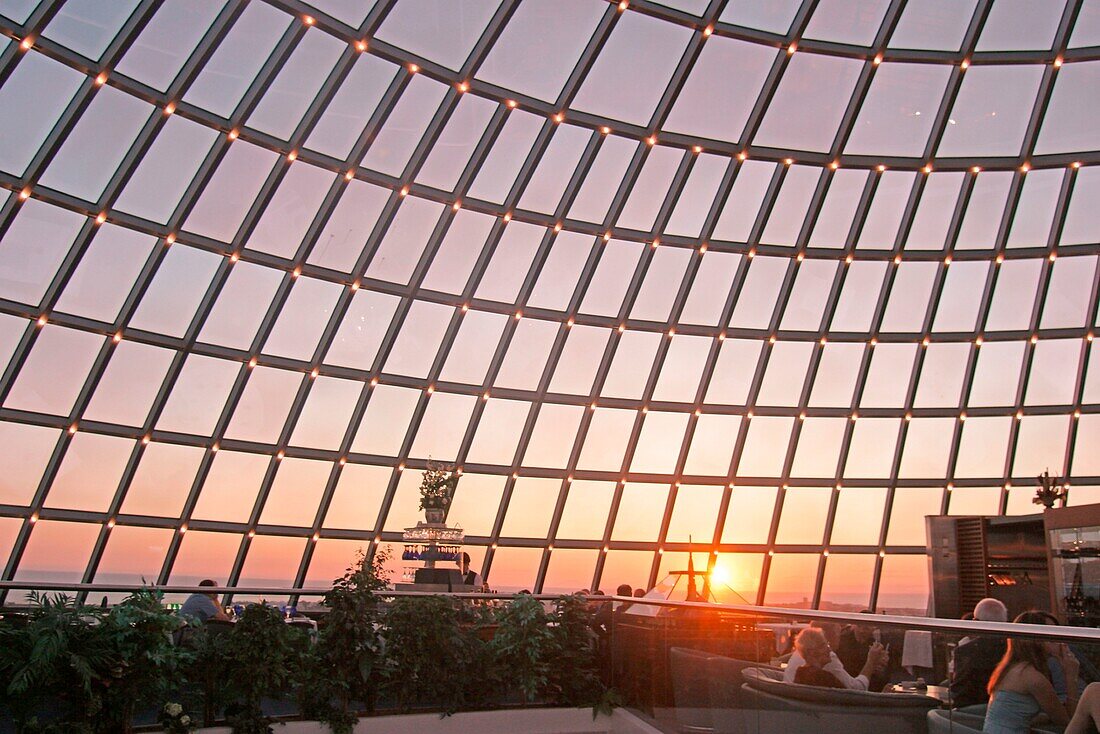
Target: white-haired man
{"points": [[814, 663], [976, 657]]}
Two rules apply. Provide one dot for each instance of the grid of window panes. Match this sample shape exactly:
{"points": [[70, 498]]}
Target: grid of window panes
{"points": [[769, 281]]}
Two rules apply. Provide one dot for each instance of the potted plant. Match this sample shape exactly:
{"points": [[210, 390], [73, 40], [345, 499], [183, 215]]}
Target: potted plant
{"points": [[523, 647], [437, 488], [345, 664]]}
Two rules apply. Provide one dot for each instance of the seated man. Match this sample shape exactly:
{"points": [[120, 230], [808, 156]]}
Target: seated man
{"points": [[976, 657], [204, 607], [813, 663], [855, 641]]}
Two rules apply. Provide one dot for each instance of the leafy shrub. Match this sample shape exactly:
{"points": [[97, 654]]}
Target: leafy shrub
{"points": [[523, 647]]}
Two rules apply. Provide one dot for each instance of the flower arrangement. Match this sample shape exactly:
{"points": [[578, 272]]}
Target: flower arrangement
{"points": [[173, 719], [437, 487], [1050, 490]]}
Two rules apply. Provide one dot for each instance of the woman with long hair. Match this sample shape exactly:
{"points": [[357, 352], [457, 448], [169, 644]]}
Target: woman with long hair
{"points": [[1020, 687]]}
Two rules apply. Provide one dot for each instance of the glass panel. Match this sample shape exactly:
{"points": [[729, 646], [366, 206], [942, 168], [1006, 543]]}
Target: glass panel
{"points": [[1019, 25], [501, 165], [749, 517], [911, 506], [640, 512], [858, 518], [586, 508], [650, 189], [1085, 462], [1035, 208], [227, 75], [899, 110], [166, 170], [241, 305], [930, 225], [603, 178], [290, 211], [663, 277], [22, 465], [358, 497], [512, 257], [167, 41], [933, 24], [330, 559], [90, 472], [659, 443], [173, 297], [454, 145], [806, 305], [736, 67], [57, 551], [982, 122], [740, 212], [791, 580], [290, 93], [710, 288], [1041, 445], [941, 375], [88, 28], [530, 508], [633, 68], [129, 384], [694, 513], [537, 50], [272, 561], [903, 585], [757, 300], [498, 432], [775, 16], [420, 337], [393, 145], [789, 209], [444, 31], [683, 368], [819, 445], [1052, 377], [295, 492], [765, 446], [1067, 295], [325, 416], [834, 220], [997, 374], [561, 270], [983, 447], [351, 107], [198, 395], [205, 556], [544, 191], [31, 100], [570, 569], [442, 427], [476, 503], [133, 556], [553, 437], [871, 451], [909, 296], [361, 332], [1082, 225], [880, 227], [349, 226], [631, 365], [399, 252], [855, 309], [579, 360], [264, 405], [984, 210], [837, 372], [785, 374], [1066, 128], [847, 582], [961, 297], [734, 371], [739, 572], [55, 371], [33, 249], [694, 202], [514, 569], [712, 445], [609, 283], [230, 193], [927, 444], [1015, 287], [162, 480], [387, 418], [302, 319], [527, 354], [846, 22], [474, 347], [807, 107]]}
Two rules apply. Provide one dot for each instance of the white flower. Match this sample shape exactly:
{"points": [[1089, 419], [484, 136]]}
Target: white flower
{"points": [[185, 720], [173, 709]]}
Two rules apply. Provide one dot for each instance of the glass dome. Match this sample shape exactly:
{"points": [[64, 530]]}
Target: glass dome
{"points": [[766, 281]]}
